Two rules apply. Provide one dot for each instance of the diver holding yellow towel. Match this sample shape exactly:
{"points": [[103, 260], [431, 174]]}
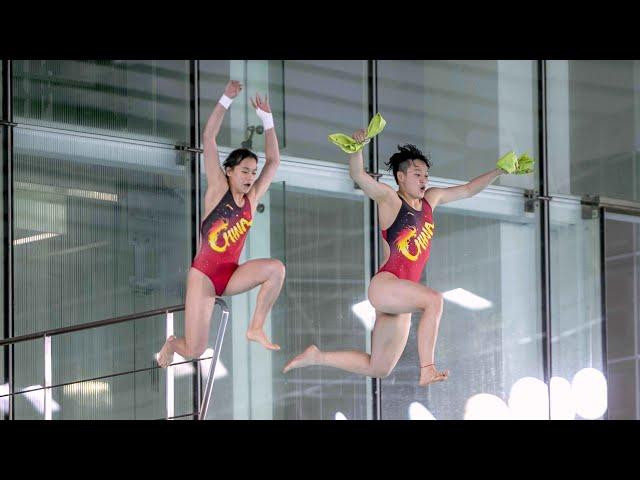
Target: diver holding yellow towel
{"points": [[407, 223]]}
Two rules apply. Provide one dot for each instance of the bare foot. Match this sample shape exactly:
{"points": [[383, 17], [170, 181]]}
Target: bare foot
{"points": [[430, 375], [165, 356], [257, 335], [308, 357]]}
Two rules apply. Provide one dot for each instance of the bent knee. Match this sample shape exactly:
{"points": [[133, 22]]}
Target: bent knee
{"points": [[433, 299], [278, 269]]}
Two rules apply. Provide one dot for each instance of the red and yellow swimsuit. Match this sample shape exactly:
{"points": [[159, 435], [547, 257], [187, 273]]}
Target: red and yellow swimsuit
{"points": [[223, 234], [409, 239]]}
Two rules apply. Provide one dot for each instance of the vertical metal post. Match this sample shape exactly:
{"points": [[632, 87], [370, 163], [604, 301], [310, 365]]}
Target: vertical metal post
{"points": [[202, 415], [7, 219], [544, 226], [603, 297], [169, 387], [195, 198], [372, 74], [48, 394]]}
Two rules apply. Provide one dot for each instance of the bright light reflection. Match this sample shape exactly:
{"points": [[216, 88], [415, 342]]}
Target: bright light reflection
{"points": [[220, 372], [562, 403], [467, 299], [4, 401], [529, 400], [417, 411], [484, 406], [339, 415], [589, 389], [37, 399], [366, 313]]}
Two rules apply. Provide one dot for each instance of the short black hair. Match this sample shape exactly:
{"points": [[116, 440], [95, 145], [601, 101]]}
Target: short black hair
{"points": [[237, 156], [400, 159]]}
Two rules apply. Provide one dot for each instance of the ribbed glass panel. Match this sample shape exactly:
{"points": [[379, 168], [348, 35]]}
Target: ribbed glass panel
{"points": [[324, 236], [4, 385], [144, 99], [102, 229], [29, 405], [81, 357], [112, 398]]}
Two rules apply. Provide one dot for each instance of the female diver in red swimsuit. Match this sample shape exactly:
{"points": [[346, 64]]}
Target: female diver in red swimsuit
{"points": [[229, 205], [406, 219]]}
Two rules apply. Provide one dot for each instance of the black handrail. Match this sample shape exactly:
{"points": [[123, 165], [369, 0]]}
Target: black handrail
{"points": [[96, 324]]}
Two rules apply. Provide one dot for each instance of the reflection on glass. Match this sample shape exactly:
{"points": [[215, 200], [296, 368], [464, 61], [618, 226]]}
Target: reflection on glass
{"points": [[143, 99], [594, 127], [589, 388], [562, 401], [484, 406], [465, 113], [529, 399], [576, 312], [134, 396], [417, 411]]}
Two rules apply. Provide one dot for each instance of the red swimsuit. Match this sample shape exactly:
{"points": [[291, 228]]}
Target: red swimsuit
{"points": [[409, 239], [223, 233]]}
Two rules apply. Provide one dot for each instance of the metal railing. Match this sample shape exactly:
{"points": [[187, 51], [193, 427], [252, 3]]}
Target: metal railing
{"points": [[48, 366]]}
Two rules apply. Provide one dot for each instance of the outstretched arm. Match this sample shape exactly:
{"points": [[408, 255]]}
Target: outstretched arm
{"points": [[438, 196], [271, 149], [373, 189], [215, 176]]}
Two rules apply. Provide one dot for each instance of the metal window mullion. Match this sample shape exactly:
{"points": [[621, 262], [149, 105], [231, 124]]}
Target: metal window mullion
{"points": [[545, 257], [603, 297], [7, 193], [372, 74], [195, 200]]}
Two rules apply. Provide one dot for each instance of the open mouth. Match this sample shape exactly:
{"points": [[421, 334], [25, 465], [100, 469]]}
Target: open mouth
{"points": [[248, 185]]}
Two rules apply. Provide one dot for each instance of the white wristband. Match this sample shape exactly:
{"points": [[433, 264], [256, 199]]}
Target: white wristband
{"points": [[225, 101], [267, 118]]}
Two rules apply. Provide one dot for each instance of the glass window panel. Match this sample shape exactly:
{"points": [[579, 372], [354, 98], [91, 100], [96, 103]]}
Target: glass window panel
{"points": [[120, 398], [623, 390], [576, 310], [29, 405], [101, 229], [310, 99], [487, 246], [465, 113], [326, 276], [144, 99], [594, 127], [622, 234]]}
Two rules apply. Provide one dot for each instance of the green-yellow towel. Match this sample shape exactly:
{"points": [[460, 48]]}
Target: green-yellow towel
{"points": [[510, 163], [349, 145]]}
